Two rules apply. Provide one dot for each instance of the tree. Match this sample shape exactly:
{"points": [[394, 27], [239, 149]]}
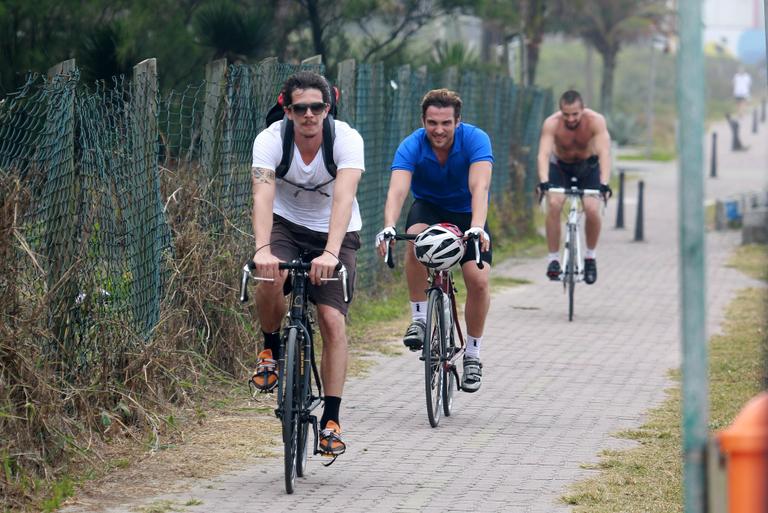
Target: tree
{"points": [[607, 25], [231, 32]]}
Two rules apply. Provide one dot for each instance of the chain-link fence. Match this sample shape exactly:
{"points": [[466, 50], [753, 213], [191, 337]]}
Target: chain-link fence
{"points": [[94, 238]]}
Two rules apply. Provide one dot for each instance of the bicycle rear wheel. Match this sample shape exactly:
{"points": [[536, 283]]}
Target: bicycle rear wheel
{"points": [[291, 407], [434, 349], [570, 271]]}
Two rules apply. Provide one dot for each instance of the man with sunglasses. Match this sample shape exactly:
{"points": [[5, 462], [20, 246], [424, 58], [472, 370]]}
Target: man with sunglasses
{"points": [[307, 209], [574, 149], [446, 165]]}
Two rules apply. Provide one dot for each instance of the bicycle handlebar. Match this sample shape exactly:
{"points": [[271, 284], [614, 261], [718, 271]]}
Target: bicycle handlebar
{"points": [[295, 266], [390, 260]]}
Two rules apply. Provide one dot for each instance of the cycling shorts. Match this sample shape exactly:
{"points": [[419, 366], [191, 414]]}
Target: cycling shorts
{"points": [[288, 238], [429, 213], [584, 174]]}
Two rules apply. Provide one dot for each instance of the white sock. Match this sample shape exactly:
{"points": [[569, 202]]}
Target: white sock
{"points": [[473, 347], [554, 256], [590, 253], [419, 310]]}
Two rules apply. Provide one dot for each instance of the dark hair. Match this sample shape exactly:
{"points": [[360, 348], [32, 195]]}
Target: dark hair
{"points": [[441, 98], [571, 97], [305, 80]]}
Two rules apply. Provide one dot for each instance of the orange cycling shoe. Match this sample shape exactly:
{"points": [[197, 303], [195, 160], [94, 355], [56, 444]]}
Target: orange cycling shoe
{"points": [[265, 376], [331, 443]]}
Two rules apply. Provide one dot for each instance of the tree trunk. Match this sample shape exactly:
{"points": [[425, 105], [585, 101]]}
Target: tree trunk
{"points": [[317, 29], [532, 48], [606, 88]]}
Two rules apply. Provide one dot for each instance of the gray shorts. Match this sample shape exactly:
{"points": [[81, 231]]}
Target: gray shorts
{"points": [[289, 238]]}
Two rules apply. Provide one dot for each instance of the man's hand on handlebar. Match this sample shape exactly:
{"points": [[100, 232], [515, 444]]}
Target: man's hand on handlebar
{"points": [[266, 264], [482, 235], [605, 191], [387, 233], [323, 267], [542, 188]]}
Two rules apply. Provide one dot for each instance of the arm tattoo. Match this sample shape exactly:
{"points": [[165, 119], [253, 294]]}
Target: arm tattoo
{"points": [[261, 175]]}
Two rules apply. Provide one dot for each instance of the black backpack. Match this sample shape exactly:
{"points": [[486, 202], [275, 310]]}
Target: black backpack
{"points": [[277, 113]]}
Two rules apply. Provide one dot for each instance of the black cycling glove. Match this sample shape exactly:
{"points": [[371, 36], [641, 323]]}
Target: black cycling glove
{"points": [[606, 191]]}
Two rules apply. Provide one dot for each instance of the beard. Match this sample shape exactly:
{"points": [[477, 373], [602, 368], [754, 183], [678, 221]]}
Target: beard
{"points": [[573, 126]]}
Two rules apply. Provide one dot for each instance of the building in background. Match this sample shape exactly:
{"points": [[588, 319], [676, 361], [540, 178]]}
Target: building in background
{"points": [[736, 27]]}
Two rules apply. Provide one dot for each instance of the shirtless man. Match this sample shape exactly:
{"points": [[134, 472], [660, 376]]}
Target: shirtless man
{"points": [[575, 149]]}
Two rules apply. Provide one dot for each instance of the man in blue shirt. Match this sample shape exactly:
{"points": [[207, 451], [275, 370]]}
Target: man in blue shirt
{"points": [[447, 166]]}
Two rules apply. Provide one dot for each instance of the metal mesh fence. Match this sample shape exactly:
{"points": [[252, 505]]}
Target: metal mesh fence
{"points": [[95, 237]]}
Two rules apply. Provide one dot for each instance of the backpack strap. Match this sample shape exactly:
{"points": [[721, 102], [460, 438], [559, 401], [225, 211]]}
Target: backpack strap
{"points": [[287, 135], [329, 137]]}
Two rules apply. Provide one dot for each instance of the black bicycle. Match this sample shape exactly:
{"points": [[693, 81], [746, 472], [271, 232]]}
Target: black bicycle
{"points": [[443, 342], [299, 390]]}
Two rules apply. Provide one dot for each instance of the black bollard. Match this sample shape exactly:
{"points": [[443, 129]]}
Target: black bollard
{"points": [[754, 121], [762, 111], [620, 205], [735, 140], [639, 218], [713, 161]]}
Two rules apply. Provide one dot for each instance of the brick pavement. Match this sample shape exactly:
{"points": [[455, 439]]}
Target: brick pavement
{"points": [[553, 391]]}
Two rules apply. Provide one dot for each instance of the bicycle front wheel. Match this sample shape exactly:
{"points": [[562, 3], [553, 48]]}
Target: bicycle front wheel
{"points": [[434, 350], [449, 373], [291, 406], [305, 399], [570, 271]]}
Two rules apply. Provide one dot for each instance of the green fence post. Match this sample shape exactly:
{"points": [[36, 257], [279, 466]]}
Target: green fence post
{"points": [[690, 106]]}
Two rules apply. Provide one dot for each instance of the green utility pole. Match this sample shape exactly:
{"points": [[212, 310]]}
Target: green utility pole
{"points": [[690, 109]]}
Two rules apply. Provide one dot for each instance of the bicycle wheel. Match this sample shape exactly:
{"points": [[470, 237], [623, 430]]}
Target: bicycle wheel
{"points": [[290, 410], [433, 352], [570, 271], [305, 393], [449, 375]]}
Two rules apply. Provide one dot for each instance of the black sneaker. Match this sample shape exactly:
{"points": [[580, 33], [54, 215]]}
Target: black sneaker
{"points": [[590, 271], [554, 271], [472, 377], [414, 335]]}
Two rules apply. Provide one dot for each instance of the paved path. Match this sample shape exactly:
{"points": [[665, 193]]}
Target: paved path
{"points": [[553, 391]]}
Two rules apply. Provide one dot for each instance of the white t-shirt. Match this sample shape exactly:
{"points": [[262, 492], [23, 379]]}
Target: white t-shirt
{"points": [[742, 83], [310, 209]]}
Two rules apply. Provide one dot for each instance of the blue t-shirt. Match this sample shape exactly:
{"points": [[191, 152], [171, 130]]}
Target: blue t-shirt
{"points": [[446, 186]]}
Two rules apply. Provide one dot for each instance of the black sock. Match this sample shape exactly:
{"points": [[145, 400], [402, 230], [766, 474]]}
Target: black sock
{"points": [[272, 341], [331, 410]]}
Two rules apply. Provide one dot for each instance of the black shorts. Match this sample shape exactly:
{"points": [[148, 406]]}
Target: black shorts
{"points": [[429, 213], [584, 174], [288, 238]]}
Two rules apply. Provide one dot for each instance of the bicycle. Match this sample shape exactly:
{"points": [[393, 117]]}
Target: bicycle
{"points": [[295, 396], [573, 261], [444, 341]]}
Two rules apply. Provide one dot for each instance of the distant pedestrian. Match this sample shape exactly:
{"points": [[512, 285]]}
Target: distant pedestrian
{"points": [[742, 84]]}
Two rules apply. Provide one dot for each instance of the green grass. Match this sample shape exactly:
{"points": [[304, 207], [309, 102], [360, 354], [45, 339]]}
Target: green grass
{"points": [[657, 155], [648, 479]]}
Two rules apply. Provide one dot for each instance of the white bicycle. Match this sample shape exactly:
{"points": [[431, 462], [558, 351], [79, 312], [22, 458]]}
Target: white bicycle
{"points": [[573, 259]]}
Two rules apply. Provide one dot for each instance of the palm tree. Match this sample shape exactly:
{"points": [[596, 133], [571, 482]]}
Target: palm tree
{"points": [[225, 28]]}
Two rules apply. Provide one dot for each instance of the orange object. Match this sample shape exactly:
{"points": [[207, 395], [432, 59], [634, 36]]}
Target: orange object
{"points": [[745, 443]]}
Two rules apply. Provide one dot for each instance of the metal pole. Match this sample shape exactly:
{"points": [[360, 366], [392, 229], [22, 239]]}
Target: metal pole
{"points": [[639, 216], [713, 160], [620, 206], [690, 105]]}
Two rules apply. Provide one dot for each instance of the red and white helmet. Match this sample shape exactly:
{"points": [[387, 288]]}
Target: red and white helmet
{"points": [[440, 246]]}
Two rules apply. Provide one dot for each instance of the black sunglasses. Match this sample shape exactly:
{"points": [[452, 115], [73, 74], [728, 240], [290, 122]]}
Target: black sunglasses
{"points": [[300, 109]]}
